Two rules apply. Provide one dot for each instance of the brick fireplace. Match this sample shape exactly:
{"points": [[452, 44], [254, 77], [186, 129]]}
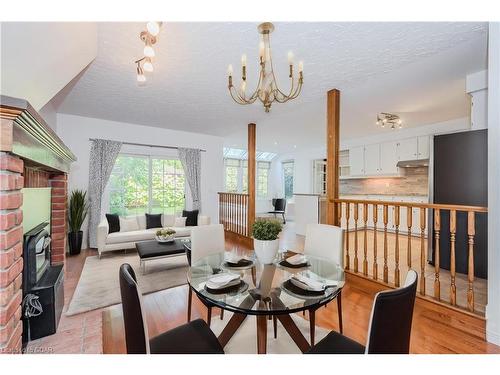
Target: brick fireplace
{"points": [[31, 155]]}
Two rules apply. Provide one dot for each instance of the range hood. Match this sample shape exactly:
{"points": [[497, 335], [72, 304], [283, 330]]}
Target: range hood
{"points": [[413, 163]]}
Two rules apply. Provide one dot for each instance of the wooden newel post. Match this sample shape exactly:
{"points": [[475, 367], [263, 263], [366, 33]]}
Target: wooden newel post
{"points": [[332, 156], [251, 176]]}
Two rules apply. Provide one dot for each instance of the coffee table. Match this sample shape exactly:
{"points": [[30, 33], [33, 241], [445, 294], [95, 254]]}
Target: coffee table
{"points": [[150, 250]]}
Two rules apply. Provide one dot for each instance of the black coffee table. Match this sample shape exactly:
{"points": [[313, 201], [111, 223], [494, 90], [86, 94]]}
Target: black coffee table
{"points": [[150, 250]]}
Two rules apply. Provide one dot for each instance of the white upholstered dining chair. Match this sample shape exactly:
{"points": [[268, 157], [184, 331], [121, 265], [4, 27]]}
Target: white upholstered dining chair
{"points": [[325, 241], [205, 240]]}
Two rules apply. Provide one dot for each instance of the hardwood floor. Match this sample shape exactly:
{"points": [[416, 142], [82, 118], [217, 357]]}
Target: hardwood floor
{"points": [[102, 330]]}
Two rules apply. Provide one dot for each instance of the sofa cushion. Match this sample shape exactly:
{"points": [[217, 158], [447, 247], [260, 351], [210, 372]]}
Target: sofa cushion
{"points": [[132, 236], [180, 222], [182, 231], [113, 223], [141, 219], [168, 220], [191, 217], [129, 224], [153, 221]]}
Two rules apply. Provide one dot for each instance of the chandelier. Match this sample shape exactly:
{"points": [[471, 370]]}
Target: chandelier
{"points": [[394, 121], [267, 90], [149, 37]]}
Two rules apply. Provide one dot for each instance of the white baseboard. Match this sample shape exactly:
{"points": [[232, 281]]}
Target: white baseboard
{"points": [[493, 337]]}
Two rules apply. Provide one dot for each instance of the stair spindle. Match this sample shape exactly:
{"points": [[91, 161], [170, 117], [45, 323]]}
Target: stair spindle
{"points": [[422, 251], [386, 269], [375, 265], [365, 238], [437, 231], [471, 231], [453, 229], [396, 246], [355, 237], [347, 218]]}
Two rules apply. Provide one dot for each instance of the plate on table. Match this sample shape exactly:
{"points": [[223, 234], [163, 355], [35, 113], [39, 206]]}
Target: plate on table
{"points": [[296, 261], [295, 291], [241, 264], [235, 288]]}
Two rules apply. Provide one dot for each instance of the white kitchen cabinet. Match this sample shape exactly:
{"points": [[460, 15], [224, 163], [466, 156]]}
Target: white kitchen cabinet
{"points": [[423, 147], [372, 159], [357, 161], [388, 158], [408, 149]]}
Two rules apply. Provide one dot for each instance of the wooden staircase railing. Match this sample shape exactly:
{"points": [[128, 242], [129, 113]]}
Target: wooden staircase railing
{"points": [[402, 229], [233, 213]]}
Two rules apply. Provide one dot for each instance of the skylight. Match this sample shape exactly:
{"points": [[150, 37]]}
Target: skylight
{"points": [[236, 153]]}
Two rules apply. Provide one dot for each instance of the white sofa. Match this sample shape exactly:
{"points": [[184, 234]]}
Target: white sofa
{"points": [[126, 239]]}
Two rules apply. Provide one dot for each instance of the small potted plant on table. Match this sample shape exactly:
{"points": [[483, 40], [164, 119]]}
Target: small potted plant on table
{"points": [[265, 234], [77, 213]]}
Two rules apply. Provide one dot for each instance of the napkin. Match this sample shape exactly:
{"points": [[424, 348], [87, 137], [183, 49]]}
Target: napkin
{"points": [[307, 283], [235, 258], [296, 259], [224, 280]]}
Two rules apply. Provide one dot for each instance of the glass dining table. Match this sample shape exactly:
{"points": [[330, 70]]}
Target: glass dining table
{"points": [[265, 291]]}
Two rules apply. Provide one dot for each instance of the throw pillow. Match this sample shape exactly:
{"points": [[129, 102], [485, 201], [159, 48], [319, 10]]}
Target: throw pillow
{"points": [[128, 224], [153, 221], [113, 223], [180, 222], [191, 217]]}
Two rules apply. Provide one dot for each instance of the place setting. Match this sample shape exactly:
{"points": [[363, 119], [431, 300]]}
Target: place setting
{"points": [[304, 286], [225, 283]]}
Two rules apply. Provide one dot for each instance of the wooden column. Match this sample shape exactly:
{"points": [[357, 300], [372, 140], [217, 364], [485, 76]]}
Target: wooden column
{"points": [[332, 155], [251, 176]]}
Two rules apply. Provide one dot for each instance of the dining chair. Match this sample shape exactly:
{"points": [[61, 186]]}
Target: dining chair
{"points": [[205, 240], [325, 241], [389, 330], [279, 205], [195, 337]]}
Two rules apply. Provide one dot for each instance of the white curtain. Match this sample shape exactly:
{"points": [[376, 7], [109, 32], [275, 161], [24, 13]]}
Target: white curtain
{"points": [[103, 154], [191, 162]]}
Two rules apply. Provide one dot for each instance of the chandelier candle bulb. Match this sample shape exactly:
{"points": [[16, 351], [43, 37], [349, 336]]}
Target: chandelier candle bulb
{"points": [[290, 57], [262, 49], [149, 51], [244, 60], [148, 66], [230, 70], [301, 66], [153, 28]]}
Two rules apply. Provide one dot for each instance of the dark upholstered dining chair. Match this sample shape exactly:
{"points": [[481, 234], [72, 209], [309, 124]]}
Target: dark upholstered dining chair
{"points": [[390, 325], [191, 338], [279, 205]]}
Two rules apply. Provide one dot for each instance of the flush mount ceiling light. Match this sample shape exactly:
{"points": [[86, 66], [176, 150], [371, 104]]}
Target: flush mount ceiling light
{"points": [[149, 38], [267, 90], [389, 119]]}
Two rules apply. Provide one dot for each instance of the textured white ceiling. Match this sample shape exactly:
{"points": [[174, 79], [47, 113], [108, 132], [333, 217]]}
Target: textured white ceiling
{"points": [[415, 68]]}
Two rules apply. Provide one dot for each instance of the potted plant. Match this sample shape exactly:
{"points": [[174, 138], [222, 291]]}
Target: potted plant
{"points": [[265, 239], [165, 235], [77, 213]]}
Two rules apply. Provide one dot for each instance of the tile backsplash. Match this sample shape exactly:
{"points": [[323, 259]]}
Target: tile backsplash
{"points": [[414, 181]]}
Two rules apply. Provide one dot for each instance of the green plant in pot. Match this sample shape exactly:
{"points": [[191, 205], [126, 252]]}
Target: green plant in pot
{"points": [[77, 212], [265, 234]]}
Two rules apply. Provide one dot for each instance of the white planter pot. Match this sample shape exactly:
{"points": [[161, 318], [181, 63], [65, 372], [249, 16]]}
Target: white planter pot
{"points": [[266, 250]]}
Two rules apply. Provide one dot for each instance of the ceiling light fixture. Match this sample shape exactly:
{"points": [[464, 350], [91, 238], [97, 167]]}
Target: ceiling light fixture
{"points": [[394, 121], [267, 90], [149, 37]]}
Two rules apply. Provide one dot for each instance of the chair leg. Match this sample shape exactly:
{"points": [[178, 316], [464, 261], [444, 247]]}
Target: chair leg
{"points": [[275, 326], [190, 297], [209, 315], [339, 308], [312, 325], [221, 314], [284, 220]]}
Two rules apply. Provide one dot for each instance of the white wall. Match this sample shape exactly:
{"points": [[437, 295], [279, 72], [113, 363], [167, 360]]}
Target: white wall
{"points": [[476, 85], [75, 132], [493, 307], [40, 58]]}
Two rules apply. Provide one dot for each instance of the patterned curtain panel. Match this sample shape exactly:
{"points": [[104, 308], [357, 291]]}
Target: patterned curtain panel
{"points": [[191, 162], [103, 154]]}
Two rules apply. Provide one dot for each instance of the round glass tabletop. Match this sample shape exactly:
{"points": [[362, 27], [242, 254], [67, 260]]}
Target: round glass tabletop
{"points": [[266, 289]]}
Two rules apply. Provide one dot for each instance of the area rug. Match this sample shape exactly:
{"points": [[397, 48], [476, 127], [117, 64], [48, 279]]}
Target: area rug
{"points": [[244, 340], [99, 283]]}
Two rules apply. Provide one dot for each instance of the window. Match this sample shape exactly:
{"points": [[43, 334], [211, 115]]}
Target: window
{"points": [[140, 184], [287, 167], [236, 177]]}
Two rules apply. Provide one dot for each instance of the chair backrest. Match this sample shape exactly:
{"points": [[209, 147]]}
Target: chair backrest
{"points": [[391, 318], [325, 241], [206, 240], [279, 204], [136, 329]]}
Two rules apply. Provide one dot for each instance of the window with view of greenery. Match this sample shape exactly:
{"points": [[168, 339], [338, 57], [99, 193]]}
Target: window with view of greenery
{"points": [[287, 167], [140, 184], [236, 177]]}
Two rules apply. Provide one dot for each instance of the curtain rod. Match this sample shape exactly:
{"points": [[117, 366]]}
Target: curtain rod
{"points": [[141, 144]]}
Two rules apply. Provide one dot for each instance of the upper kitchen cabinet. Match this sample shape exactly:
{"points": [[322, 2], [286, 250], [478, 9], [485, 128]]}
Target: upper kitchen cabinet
{"points": [[423, 147], [372, 159], [389, 158], [408, 149], [357, 161]]}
